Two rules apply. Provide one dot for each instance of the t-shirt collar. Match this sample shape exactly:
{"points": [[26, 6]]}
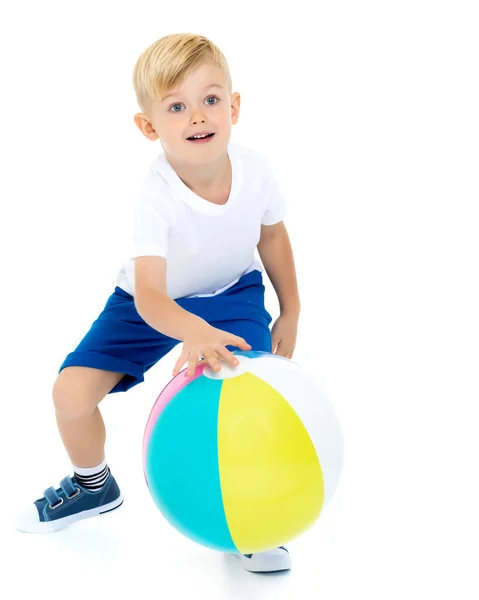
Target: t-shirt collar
{"points": [[197, 202]]}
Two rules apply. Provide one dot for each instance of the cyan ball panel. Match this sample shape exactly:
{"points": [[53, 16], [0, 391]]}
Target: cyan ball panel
{"points": [[173, 387], [184, 440]]}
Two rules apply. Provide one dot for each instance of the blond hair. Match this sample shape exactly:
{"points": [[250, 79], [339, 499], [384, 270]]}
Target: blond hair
{"points": [[164, 64]]}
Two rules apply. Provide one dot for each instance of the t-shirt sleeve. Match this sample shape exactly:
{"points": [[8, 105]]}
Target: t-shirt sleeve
{"points": [[152, 220], [275, 202]]}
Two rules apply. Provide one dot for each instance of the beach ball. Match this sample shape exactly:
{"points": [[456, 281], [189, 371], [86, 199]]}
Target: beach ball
{"points": [[245, 459]]}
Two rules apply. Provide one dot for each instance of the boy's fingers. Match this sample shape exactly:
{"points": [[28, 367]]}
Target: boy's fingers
{"points": [[282, 350], [211, 358], [214, 363], [193, 359], [239, 342], [179, 363], [227, 355], [275, 343]]}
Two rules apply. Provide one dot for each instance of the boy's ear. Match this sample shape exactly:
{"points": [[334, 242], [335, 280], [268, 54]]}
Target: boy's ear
{"points": [[145, 126], [235, 107]]}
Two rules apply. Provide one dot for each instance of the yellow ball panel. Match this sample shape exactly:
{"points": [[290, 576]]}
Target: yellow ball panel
{"points": [[271, 479]]}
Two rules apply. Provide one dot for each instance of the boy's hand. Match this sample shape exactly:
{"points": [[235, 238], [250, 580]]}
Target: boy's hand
{"points": [[209, 343], [284, 334]]}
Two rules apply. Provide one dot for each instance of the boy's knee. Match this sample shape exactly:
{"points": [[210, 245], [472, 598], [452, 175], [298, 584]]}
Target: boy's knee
{"points": [[73, 397]]}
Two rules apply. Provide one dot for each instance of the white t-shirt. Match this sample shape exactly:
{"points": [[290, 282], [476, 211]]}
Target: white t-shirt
{"points": [[208, 247]]}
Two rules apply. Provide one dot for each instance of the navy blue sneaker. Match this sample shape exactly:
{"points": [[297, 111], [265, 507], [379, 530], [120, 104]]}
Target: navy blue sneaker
{"points": [[67, 504]]}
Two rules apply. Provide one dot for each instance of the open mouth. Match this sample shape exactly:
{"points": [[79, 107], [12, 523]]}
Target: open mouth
{"points": [[201, 139]]}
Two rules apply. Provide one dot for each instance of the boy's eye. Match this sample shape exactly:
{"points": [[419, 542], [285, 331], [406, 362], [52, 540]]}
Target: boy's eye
{"points": [[209, 98]]}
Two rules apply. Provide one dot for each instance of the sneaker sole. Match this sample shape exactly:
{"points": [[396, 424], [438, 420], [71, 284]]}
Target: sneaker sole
{"points": [[264, 564], [51, 526]]}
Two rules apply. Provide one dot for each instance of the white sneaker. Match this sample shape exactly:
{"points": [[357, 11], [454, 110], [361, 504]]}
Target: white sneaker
{"points": [[266, 562]]}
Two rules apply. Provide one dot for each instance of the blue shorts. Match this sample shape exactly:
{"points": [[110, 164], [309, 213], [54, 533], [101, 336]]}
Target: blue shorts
{"points": [[121, 341]]}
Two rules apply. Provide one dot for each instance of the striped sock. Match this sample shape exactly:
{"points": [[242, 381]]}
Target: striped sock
{"points": [[92, 478]]}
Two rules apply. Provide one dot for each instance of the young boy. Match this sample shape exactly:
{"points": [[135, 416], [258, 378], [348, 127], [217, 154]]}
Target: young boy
{"points": [[204, 207]]}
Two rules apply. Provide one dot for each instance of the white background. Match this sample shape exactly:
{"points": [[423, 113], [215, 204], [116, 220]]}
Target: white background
{"points": [[369, 113]]}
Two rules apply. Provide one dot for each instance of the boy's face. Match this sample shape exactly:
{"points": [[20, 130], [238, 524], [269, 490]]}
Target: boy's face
{"points": [[193, 107]]}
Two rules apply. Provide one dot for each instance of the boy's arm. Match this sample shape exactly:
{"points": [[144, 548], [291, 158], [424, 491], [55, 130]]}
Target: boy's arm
{"points": [[276, 255], [155, 307], [152, 303]]}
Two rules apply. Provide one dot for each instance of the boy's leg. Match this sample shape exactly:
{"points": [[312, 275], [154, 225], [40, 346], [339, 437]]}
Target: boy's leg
{"points": [[76, 395], [93, 491], [112, 357]]}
